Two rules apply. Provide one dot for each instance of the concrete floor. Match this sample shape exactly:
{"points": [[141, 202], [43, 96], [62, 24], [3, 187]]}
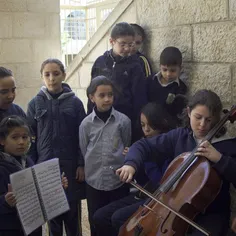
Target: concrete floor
{"points": [[84, 221]]}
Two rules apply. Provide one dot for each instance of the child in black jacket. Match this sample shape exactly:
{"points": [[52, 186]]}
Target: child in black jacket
{"points": [[139, 39], [125, 72], [165, 87]]}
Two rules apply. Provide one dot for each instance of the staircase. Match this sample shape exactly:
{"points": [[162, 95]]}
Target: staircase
{"points": [[78, 72]]}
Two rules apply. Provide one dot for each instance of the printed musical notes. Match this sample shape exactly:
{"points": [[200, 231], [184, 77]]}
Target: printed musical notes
{"points": [[28, 205], [52, 193], [39, 193]]}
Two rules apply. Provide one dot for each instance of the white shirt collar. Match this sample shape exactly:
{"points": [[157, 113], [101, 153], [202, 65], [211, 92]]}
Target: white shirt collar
{"points": [[158, 76]]}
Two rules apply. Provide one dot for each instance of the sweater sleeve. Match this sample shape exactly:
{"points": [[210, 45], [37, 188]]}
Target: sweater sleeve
{"points": [[145, 66], [142, 150], [83, 139], [22, 113], [226, 167], [81, 116], [4, 207], [139, 91], [182, 88], [33, 125]]}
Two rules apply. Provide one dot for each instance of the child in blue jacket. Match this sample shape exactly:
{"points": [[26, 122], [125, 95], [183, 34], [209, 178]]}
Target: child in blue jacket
{"points": [[203, 112], [55, 114]]}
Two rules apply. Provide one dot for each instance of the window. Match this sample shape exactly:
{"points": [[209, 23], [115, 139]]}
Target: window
{"points": [[75, 25]]}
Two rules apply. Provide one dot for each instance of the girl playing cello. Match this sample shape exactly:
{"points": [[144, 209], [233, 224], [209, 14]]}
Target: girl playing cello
{"points": [[203, 112]]}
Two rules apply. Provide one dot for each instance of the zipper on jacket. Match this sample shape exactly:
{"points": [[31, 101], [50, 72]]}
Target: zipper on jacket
{"points": [[113, 74]]}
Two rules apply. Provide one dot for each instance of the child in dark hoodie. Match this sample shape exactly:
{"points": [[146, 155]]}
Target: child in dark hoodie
{"points": [[14, 133], [125, 72], [15, 142], [8, 94], [55, 115]]}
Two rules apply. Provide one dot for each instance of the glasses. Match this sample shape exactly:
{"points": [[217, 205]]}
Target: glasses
{"points": [[123, 45]]}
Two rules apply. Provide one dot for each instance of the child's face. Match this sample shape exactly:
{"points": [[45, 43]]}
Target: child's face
{"points": [[138, 42], [147, 130], [53, 77], [7, 91], [201, 121], [17, 141], [122, 46], [170, 73], [103, 97]]}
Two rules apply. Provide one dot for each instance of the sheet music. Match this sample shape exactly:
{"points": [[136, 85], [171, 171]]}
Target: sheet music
{"points": [[52, 192], [28, 205]]}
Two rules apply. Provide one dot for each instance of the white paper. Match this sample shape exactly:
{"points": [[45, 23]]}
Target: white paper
{"points": [[28, 205], [52, 192]]}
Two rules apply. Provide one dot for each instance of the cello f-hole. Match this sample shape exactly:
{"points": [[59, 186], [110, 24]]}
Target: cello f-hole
{"points": [[164, 231]]}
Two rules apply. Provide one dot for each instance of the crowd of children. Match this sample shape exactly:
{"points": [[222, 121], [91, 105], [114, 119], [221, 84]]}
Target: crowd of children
{"points": [[137, 122]]}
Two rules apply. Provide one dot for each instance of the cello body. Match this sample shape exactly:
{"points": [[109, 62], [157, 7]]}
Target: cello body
{"points": [[190, 195]]}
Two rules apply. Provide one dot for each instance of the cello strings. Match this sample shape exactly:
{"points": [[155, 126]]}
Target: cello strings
{"points": [[171, 209], [171, 180]]}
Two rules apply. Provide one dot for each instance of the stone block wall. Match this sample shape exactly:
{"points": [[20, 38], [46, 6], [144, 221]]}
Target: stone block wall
{"points": [[205, 32], [29, 34]]}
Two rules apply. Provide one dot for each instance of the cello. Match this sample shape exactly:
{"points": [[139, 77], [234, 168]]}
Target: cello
{"points": [[187, 188]]}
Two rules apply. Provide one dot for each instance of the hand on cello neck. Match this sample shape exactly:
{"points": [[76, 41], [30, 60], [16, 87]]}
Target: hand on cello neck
{"points": [[207, 150]]}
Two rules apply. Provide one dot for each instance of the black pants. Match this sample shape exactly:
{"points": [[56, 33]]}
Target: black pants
{"points": [[110, 218], [216, 224], [97, 199], [70, 220], [37, 232]]}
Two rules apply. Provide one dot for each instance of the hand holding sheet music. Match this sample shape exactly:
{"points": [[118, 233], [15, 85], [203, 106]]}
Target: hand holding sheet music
{"points": [[50, 186], [39, 194]]}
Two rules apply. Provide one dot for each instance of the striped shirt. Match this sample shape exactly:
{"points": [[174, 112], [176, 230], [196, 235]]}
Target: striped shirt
{"points": [[102, 145]]}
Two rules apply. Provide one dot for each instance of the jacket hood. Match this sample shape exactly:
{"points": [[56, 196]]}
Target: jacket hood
{"points": [[67, 92], [8, 161]]}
